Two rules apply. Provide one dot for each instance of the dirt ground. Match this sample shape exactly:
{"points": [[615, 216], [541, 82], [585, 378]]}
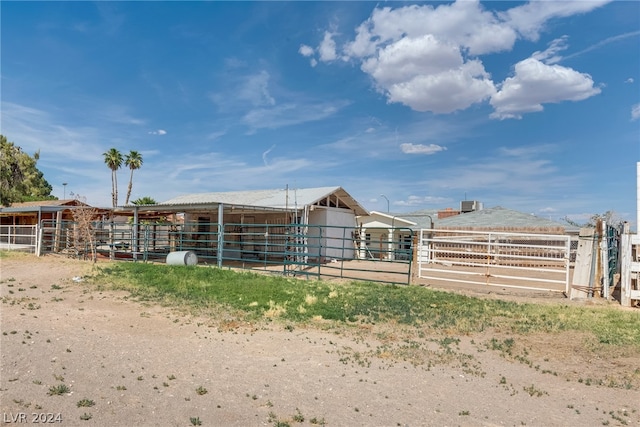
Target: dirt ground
{"points": [[148, 365]]}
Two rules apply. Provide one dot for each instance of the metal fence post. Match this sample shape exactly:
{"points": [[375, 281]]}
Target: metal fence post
{"points": [[220, 252]]}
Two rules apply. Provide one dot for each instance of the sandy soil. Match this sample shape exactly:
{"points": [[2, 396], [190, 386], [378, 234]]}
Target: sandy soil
{"points": [[148, 365]]}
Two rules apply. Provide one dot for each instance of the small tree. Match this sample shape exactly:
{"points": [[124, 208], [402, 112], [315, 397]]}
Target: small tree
{"points": [[84, 233]]}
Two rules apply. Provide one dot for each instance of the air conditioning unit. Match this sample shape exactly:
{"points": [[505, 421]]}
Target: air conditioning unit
{"points": [[470, 206]]}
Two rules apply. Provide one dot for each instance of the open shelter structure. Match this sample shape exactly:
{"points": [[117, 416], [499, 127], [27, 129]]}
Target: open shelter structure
{"points": [[241, 225]]}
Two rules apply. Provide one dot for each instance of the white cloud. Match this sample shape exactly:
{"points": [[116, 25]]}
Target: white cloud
{"points": [[509, 173], [529, 19], [158, 132], [551, 54], [327, 48], [420, 201], [604, 43], [243, 90], [407, 58], [305, 50], [265, 155], [427, 57], [256, 89], [409, 148], [290, 114], [535, 83], [629, 80], [445, 92], [635, 112], [464, 23]]}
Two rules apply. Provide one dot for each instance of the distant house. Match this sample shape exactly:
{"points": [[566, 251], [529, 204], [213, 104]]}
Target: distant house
{"points": [[385, 236]]}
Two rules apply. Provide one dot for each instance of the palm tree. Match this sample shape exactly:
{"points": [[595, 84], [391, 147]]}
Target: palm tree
{"points": [[113, 160], [134, 161], [146, 200]]}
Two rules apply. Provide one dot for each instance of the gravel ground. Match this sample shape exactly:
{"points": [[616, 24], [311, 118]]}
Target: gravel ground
{"points": [[146, 365]]}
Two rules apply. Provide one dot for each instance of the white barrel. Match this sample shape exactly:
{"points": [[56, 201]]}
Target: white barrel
{"points": [[182, 258]]}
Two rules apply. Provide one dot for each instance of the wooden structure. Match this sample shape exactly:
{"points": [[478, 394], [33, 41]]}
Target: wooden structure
{"points": [[32, 213]]}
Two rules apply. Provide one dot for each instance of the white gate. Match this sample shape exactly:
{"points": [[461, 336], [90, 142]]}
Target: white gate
{"points": [[514, 260]]}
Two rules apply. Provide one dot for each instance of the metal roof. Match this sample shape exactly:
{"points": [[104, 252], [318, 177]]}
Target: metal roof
{"points": [[425, 218], [41, 206], [496, 218], [385, 219], [291, 198], [499, 217]]}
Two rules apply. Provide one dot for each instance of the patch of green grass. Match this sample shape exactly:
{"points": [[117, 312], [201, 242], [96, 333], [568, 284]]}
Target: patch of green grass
{"points": [[259, 296], [298, 417], [58, 390], [85, 403], [201, 391]]}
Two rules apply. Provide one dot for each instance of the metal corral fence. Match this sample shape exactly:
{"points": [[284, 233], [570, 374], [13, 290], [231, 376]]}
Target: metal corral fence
{"points": [[513, 260], [288, 249], [18, 237]]}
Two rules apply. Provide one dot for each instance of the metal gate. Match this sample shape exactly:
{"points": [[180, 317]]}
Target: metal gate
{"points": [[509, 260]]}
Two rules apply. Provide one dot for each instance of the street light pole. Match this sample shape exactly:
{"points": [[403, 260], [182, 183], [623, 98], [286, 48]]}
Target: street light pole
{"points": [[385, 197], [64, 185]]}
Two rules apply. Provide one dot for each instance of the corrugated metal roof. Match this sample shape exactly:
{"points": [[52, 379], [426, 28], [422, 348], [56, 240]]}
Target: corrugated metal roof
{"points": [[277, 198]]}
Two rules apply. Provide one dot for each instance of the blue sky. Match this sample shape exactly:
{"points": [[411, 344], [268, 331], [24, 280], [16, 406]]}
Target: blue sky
{"points": [[533, 106]]}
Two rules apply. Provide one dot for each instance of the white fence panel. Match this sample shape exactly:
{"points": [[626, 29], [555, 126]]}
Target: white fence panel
{"points": [[18, 237], [514, 260]]}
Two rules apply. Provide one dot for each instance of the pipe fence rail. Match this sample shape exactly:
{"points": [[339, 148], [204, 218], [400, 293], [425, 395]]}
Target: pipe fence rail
{"points": [[512, 260]]}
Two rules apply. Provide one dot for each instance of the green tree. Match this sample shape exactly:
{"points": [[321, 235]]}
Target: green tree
{"points": [[20, 179], [134, 161], [113, 160], [146, 200]]}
